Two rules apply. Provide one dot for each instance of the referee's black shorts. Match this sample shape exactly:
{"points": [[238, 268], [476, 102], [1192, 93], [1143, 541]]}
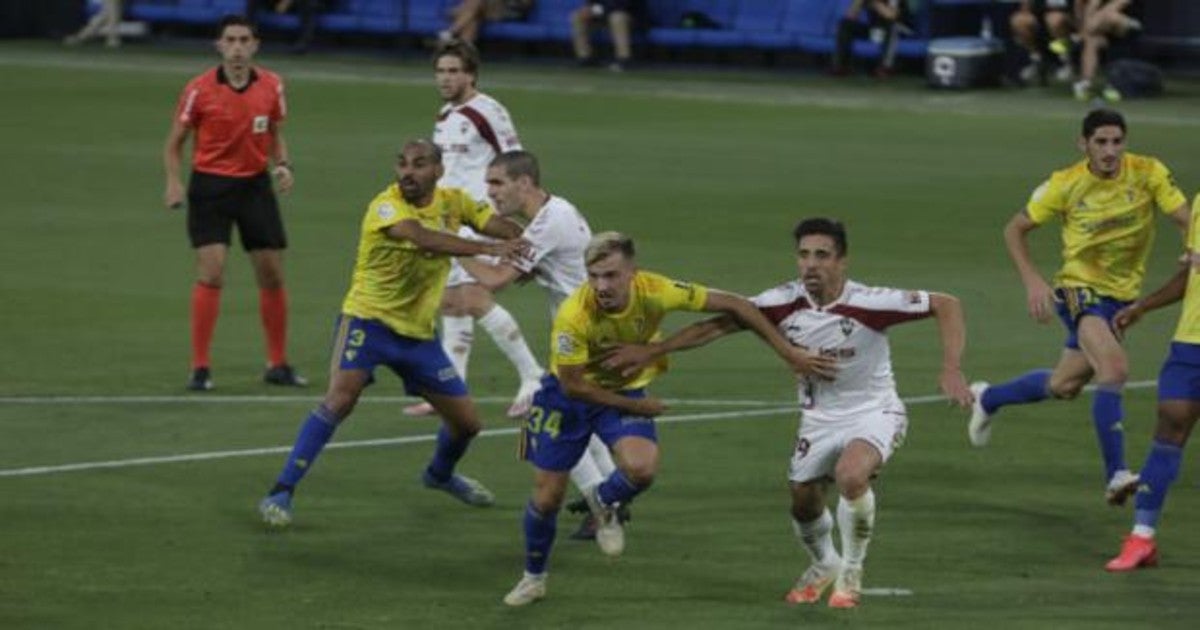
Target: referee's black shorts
{"points": [[217, 202]]}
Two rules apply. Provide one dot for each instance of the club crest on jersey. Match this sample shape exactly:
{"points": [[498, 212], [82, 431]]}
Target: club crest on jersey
{"points": [[847, 326], [261, 124]]}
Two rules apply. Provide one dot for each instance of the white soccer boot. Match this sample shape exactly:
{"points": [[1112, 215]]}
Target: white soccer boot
{"points": [[610, 534], [979, 428], [530, 589]]}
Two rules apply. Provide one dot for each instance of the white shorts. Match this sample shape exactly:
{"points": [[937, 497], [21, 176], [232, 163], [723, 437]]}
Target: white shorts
{"points": [[459, 276], [820, 444]]}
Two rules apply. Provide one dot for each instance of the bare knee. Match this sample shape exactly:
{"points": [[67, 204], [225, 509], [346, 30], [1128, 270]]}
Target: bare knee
{"points": [[1066, 388], [852, 483], [340, 404], [807, 503], [1113, 371]]}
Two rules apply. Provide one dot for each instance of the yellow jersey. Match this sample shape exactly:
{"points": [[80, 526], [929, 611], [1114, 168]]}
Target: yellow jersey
{"points": [[1108, 224], [396, 282], [582, 331], [1188, 330]]}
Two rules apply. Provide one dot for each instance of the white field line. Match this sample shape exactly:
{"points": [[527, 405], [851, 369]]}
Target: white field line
{"points": [[704, 91], [411, 439]]}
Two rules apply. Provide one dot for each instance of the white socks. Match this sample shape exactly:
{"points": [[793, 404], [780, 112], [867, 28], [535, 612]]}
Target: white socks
{"points": [[856, 522], [594, 467], [457, 335], [499, 323], [815, 537]]}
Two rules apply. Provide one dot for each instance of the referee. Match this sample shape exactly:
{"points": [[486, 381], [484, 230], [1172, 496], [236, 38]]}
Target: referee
{"points": [[235, 111]]}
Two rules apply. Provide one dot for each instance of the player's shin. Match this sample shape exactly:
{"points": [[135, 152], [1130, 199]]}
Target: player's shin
{"points": [[817, 539], [503, 329], [540, 529], [856, 522], [1157, 474], [1029, 387], [446, 454], [1106, 415], [314, 434]]}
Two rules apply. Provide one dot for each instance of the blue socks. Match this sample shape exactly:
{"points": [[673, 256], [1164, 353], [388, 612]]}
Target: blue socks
{"points": [[539, 538], [314, 434], [1160, 469], [618, 489], [446, 455], [1027, 388], [1106, 415]]}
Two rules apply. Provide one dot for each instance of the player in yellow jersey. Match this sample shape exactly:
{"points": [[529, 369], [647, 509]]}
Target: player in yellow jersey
{"points": [[404, 253], [1178, 403], [619, 304], [1107, 204]]}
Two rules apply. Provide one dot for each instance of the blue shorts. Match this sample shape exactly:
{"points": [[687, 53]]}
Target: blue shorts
{"points": [[1072, 303], [363, 344], [558, 428], [1179, 378]]}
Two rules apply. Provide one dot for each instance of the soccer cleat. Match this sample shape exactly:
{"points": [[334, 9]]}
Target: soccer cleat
{"points": [[276, 510], [419, 409], [530, 589], [979, 428], [461, 487], [1111, 94], [1122, 486], [284, 374], [847, 588], [524, 400], [610, 534], [812, 584], [201, 380], [1136, 552]]}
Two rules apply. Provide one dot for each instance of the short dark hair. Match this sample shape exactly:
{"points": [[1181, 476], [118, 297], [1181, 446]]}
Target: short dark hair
{"points": [[464, 50], [434, 150], [1102, 117], [235, 19], [519, 163], [832, 228]]}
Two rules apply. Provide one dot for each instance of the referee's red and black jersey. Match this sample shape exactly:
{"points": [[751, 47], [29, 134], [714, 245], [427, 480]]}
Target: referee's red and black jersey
{"points": [[232, 127]]}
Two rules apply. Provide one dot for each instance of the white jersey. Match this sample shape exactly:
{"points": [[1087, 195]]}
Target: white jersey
{"points": [[470, 136], [851, 329], [558, 236]]}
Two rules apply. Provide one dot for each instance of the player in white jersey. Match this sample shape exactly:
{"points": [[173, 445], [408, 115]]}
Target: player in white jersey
{"points": [[557, 234], [851, 424], [472, 128]]}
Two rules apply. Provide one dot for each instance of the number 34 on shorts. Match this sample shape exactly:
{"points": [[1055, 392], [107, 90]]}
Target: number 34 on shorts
{"points": [[539, 421]]}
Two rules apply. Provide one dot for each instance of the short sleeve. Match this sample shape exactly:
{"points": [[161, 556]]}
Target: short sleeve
{"points": [[384, 213], [187, 110], [474, 213], [1045, 202], [279, 112], [569, 345], [676, 295], [1162, 185]]}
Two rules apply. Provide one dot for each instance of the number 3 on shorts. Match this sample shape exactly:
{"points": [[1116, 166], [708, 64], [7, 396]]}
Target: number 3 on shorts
{"points": [[542, 422]]}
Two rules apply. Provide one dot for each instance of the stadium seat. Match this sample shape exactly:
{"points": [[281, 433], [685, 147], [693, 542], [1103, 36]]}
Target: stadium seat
{"points": [[152, 10], [426, 17], [549, 20], [672, 33], [755, 24]]}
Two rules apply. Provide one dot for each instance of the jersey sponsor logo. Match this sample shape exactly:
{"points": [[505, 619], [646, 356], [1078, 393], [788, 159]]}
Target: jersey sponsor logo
{"points": [[839, 353], [261, 124]]}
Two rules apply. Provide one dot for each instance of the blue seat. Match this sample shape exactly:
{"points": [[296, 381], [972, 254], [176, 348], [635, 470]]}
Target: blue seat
{"points": [[427, 17], [813, 23], [755, 24], [549, 20], [671, 33], [152, 10]]}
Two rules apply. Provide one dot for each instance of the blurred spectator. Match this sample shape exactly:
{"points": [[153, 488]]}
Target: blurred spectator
{"points": [[1102, 20], [468, 17], [1043, 27], [106, 22], [306, 10], [619, 15], [884, 23]]}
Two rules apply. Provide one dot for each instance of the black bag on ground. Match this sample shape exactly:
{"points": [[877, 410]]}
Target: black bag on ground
{"points": [[1134, 78]]}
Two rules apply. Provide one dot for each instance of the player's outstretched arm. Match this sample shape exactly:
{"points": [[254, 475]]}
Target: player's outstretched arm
{"points": [[501, 227], [492, 277], [173, 164], [748, 316], [445, 243], [1168, 293], [579, 388], [952, 327], [1038, 295], [1181, 216], [630, 358]]}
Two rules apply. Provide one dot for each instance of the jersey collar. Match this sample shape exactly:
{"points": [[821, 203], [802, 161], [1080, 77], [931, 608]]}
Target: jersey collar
{"points": [[224, 80]]}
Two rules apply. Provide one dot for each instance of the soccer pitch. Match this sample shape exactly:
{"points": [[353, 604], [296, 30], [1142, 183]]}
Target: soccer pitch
{"points": [[708, 171]]}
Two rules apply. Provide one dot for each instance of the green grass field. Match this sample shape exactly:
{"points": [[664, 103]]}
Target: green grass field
{"points": [[708, 171]]}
